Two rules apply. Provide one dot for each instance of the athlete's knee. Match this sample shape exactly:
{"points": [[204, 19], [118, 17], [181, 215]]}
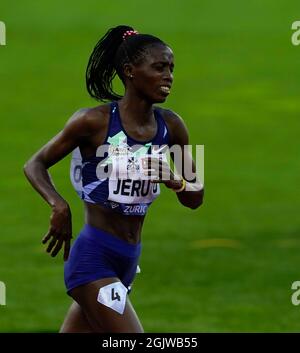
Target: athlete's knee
{"points": [[75, 321]]}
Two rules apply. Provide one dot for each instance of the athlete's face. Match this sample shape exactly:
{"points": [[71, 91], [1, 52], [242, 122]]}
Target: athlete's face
{"points": [[153, 77]]}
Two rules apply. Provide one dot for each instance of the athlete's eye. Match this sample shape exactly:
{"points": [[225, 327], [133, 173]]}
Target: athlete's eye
{"points": [[159, 67]]}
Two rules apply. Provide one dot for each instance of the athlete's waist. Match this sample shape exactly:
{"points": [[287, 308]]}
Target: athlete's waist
{"points": [[111, 241], [127, 228]]}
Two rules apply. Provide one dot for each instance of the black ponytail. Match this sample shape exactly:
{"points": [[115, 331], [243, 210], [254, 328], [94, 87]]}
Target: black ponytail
{"points": [[100, 70], [108, 59]]}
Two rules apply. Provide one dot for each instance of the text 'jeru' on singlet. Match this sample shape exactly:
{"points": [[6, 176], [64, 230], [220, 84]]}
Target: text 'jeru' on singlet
{"points": [[126, 190]]}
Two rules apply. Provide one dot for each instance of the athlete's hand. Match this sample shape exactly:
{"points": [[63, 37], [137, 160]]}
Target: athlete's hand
{"points": [[60, 230], [160, 172]]}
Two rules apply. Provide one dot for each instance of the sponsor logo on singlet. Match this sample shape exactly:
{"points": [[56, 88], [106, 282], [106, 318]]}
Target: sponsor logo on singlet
{"points": [[128, 183]]}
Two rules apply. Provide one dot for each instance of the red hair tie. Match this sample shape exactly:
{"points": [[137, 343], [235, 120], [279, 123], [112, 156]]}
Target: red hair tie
{"points": [[129, 33]]}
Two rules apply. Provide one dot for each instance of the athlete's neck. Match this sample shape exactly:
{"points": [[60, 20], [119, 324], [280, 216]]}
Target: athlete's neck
{"points": [[135, 110]]}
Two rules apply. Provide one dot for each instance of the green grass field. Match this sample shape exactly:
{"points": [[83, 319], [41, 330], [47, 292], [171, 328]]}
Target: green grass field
{"points": [[226, 267]]}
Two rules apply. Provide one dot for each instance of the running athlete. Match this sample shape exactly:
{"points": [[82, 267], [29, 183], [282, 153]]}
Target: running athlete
{"points": [[103, 261]]}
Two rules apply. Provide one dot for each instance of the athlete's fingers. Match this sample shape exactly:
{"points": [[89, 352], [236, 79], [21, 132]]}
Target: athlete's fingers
{"points": [[152, 176], [67, 249], [161, 175], [169, 176], [57, 247], [47, 236], [151, 162], [158, 169], [165, 169], [158, 165], [151, 172], [51, 244], [160, 181]]}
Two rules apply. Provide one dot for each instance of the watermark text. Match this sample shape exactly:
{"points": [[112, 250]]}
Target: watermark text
{"points": [[2, 293], [2, 33], [296, 35]]}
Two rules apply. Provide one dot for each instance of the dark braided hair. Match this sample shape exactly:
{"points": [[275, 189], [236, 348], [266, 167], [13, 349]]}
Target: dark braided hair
{"points": [[108, 59]]}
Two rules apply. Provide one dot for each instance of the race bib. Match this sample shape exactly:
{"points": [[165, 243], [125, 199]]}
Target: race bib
{"points": [[128, 183], [113, 296]]}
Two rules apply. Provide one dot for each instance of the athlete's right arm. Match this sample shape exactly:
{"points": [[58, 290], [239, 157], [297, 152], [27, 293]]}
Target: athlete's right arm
{"points": [[76, 131]]}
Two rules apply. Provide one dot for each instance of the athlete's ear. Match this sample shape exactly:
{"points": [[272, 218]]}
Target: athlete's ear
{"points": [[128, 71]]}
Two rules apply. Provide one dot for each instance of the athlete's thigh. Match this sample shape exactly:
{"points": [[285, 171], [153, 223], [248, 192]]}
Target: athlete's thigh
{"points": [[75, 321], [110, 309]]}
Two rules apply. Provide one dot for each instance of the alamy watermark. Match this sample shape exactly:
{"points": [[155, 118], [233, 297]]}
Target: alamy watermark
{"points": [[2, 293], [2, 33], [125, 162], [133, 173], [295, 298], [296, 35], [118, 161]]}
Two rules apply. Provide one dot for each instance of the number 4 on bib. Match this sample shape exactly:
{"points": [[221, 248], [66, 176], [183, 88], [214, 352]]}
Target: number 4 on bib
{"points": [[113, 296]]}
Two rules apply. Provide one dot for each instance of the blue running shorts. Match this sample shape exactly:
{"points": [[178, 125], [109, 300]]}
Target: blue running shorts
{"points": [[96, 254]]}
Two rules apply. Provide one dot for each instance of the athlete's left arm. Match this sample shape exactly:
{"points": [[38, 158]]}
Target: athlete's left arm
{"points": [[192, 195]]}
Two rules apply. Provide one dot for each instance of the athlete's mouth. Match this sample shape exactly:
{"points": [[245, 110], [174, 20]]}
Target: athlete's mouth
{"points": [[165, 89]]}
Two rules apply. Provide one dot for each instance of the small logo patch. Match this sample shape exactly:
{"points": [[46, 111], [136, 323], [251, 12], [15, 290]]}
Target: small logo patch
{"points": [[113, 296]]}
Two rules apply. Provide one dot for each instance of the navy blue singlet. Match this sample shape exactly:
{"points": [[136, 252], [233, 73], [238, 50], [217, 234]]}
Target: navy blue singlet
{"points": [[130, 193]]}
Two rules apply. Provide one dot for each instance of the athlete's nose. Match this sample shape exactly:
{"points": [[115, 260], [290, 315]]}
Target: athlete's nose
{"points": [[168, 76]]}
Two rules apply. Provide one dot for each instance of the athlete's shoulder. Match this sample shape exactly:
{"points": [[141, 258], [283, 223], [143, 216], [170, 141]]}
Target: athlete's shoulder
{"points": [[176, 126], [171, 118], [91, 119]]}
